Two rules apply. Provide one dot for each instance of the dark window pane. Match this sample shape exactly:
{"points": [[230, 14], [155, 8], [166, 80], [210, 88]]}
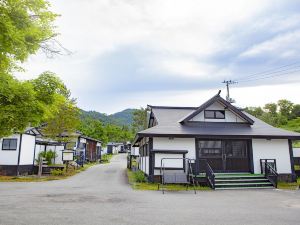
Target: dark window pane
{"points": [[209, 114], [9, 144], [5, 144], [13, 144], [220, 114]]}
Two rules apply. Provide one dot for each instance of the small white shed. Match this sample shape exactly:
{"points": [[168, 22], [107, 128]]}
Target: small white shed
{"points": [[17, 153]]}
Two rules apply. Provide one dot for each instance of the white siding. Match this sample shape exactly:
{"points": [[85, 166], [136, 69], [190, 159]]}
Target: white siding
{"points": [[162, 143], [27, 149], [58, 149], [229, 116], [134, 151], [9, 157], [296, 152], [144, 164], [272, 149]]}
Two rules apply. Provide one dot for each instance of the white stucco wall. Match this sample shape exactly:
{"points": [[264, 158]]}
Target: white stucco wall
{"points": [[9, 157], [229, 116], [58, 149], [296, 152], [27, 149], [272, 149], [134, 151], [163, 143], [144, 164]]}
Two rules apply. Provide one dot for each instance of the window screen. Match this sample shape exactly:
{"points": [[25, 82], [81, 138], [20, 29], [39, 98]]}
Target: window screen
{"points": [[210, 148]]}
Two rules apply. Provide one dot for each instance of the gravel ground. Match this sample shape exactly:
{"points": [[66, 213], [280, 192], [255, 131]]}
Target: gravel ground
{"points": [[101, 195]]}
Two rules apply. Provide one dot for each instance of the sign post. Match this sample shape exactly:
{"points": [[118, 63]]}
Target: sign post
{"points": [[67, 156]]}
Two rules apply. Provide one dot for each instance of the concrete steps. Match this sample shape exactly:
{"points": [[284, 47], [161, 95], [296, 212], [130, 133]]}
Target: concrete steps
{"points": [[226, 181]]}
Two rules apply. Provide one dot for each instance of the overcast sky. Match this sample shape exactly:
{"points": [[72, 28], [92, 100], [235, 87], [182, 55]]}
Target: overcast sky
{"points": [[130, 53]]}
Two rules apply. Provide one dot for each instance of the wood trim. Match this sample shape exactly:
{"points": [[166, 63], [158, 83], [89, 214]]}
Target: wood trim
{"points": [[165, 151], [19, 154], [292, 160], [170, 168], [151, 160], [219, 136], [250, 153]]}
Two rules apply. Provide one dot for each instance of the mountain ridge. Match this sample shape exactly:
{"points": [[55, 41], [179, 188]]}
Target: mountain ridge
{"points": [[122, 118]]}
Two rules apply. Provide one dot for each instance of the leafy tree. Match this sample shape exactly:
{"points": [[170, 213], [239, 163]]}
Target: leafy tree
{"points": [[63, 122], [295, 111], [47, 85], [271, 108], [93, 128], [285, 107], [139, 119], [18, 106], [254, 111], [26, 26]]}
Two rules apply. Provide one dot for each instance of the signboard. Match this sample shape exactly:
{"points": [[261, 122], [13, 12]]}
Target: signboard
{"points": [[67, 155]]}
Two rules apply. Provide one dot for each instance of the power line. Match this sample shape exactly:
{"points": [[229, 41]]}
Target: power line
{"points": [[272, 71], [266, 77]]}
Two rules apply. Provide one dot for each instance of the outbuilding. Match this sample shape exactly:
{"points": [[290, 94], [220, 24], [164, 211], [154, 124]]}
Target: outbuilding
{"points": [[17, 153]]}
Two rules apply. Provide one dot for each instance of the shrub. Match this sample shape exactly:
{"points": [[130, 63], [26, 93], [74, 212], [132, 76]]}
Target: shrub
{"points": [[139, 176], [57, 172], [49, 156]]}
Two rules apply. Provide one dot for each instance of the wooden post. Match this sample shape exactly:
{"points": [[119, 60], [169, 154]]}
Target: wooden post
{"points": [[40, 166]]}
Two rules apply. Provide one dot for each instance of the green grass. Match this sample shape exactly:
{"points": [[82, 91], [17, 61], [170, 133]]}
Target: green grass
{"points": [[153, 186], [297, 167], [289, 186], [35, 178], [106, 158]]}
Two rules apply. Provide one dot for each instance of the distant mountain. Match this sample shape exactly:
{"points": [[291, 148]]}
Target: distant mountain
{"points": [[124, 117]]}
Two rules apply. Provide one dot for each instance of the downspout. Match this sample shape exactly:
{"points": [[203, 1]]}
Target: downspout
{"points": [[19, 155]]}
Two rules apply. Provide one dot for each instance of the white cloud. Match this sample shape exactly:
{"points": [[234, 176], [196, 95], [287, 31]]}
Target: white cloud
{"points": [[176, 38], [279, 45]]}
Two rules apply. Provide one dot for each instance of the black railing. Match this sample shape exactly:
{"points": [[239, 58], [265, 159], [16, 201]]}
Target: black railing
{"points": [[271, 174], [271, 162], [210, 175]]}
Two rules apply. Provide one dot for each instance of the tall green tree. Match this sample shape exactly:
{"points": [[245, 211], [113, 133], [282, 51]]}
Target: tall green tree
{"points": [[255, 111], [139, 119], [25, 27], [285, 107], [63, 122], [271, 108], [295, 111], [18, 106]]}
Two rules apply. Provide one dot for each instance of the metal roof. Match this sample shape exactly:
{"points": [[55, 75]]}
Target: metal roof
{"points": [[169, 125]]}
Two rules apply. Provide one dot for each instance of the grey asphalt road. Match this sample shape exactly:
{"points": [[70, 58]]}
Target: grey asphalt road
{"points": [[101, 195]]}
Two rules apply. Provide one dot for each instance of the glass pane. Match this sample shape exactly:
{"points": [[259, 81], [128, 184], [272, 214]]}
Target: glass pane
{"points": [[209, 114], [13, 144], [220, 114], [239, 149], [5, 144]]}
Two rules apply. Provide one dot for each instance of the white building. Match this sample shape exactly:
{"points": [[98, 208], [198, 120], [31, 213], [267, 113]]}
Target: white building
{"points": [[217, 134], [17, 153]]}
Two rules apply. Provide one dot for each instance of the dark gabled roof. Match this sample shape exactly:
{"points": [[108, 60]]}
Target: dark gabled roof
{"points": [[168, 119], [32, 131], [217, 98], [89, 138]]}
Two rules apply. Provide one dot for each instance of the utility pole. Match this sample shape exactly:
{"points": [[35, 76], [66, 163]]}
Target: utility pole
{"points": [[229, 82]]}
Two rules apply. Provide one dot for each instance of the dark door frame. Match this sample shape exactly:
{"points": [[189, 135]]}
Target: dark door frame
{"points": [[249, 153]]}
